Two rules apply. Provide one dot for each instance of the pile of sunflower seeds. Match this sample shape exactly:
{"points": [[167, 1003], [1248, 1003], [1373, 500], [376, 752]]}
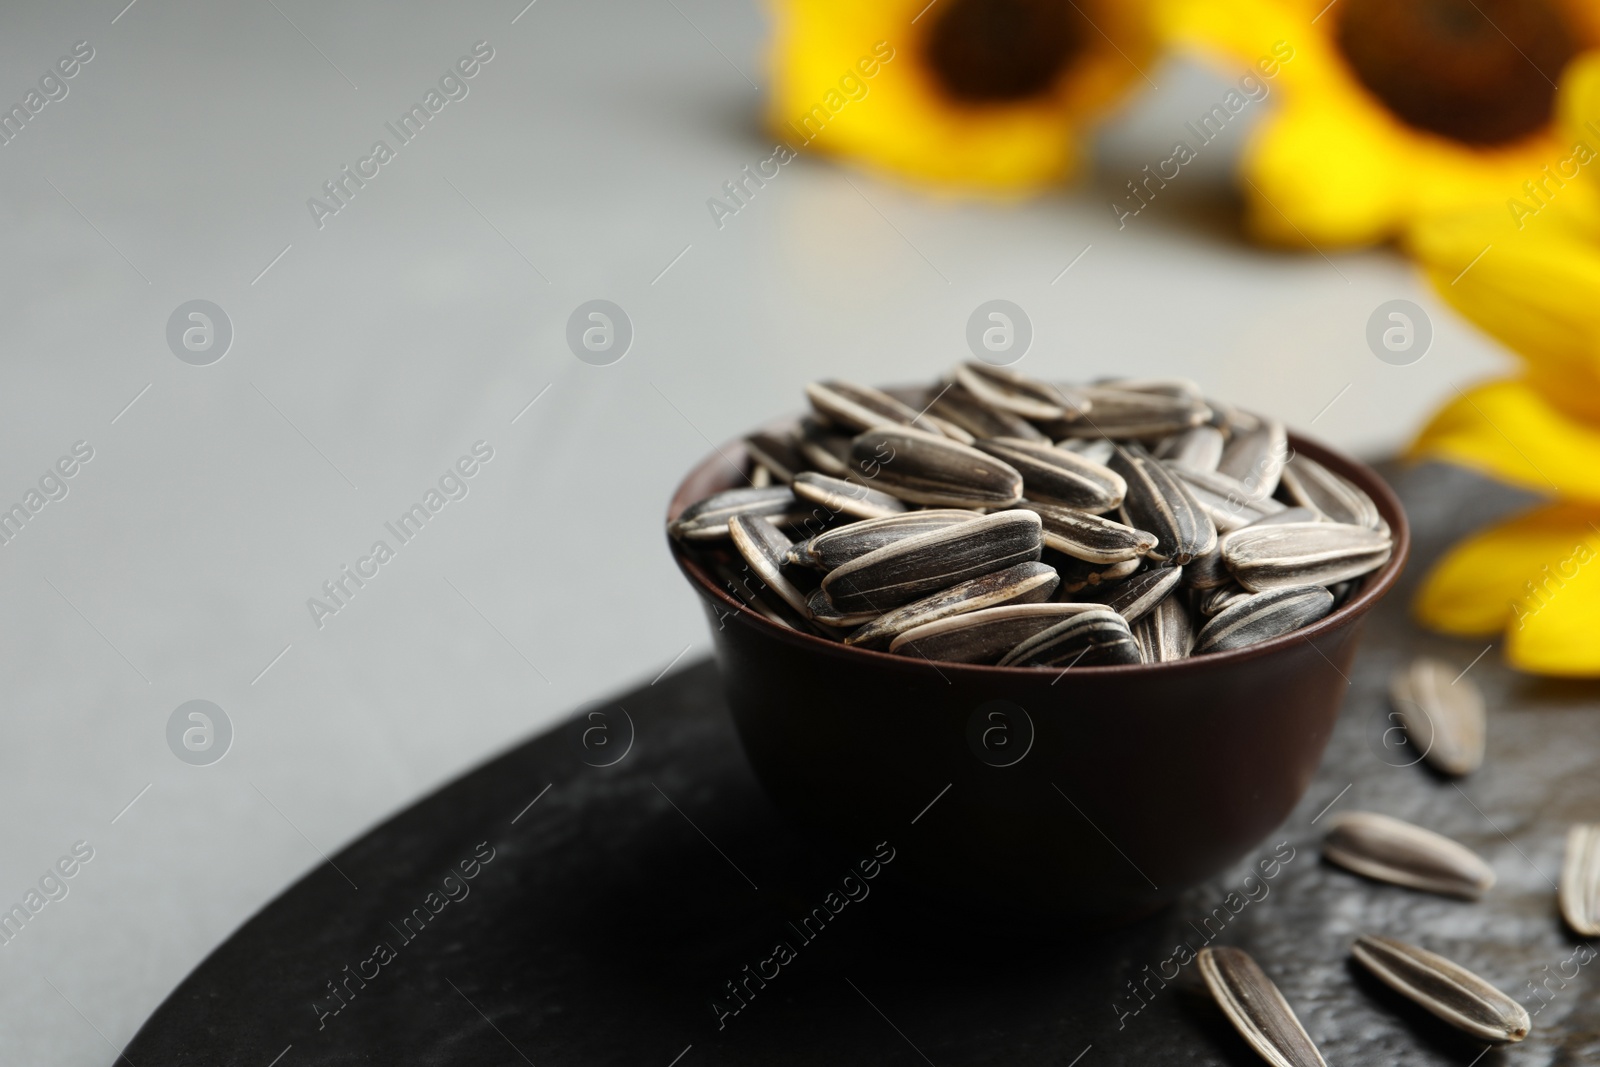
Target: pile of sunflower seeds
{"points": [[997, 519]]}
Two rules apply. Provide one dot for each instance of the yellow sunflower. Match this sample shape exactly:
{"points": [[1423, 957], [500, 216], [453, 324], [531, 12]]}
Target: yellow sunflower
{"points": [[1392, 109], [1528, 271], [984, 94]]}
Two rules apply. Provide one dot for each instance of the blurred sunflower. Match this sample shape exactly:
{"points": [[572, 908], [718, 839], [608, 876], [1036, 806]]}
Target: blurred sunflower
{"points": [[1528, 272], [1392, 109], [983, 94]]}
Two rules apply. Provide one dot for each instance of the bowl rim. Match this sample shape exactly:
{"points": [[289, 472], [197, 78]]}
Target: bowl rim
{"points": [[734, 454]]}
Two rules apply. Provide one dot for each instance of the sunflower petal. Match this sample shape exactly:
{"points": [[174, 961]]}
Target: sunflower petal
{"points": [[1510, 431], [1488, 581], [1554, 628]]}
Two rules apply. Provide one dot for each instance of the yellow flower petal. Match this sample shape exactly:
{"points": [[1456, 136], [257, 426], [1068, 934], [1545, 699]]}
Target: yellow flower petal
{"points": [[1508, 430], [1498, 574], [1555, 626]]}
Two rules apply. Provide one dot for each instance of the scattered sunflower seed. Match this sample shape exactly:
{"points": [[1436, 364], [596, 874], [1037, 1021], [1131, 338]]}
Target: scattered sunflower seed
{"points": [[1092, 638], [1580, 880], [982, 636], [1444, 988], [1442, 713], [845, 498], [707, 520], [1157, 501], [921, 468], [1058, 476], [1391, 850], [1279, 555], [1026, 583], [1256, 1008], [906, 570], [836, 547], [1164, 633], [1264, 615]]}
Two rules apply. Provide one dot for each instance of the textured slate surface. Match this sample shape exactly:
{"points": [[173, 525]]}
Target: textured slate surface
{"points": [[614, 909]]}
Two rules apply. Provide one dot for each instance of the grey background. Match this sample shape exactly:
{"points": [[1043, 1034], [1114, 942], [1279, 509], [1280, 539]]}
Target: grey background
{"points": [[424, 317]]}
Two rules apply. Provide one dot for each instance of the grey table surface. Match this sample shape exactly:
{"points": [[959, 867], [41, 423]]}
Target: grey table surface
{"points": [[371, 352]]}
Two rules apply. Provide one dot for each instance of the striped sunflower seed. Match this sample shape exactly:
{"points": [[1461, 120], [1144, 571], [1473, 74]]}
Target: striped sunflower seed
{"points": [[1391, 850], [1125, 414], [1009, 391], [777, 452], [1261, 616], [760, 477], [1292, 514], [1026, 583], [822, 448], [1280, 555], [906, 570], [765, 548], [845, 498], [1095, 449], [1093, 638], [981, 636], [1164, 633], [1311, 485], [858, 407], [1256, 1008], [1181, 388], [921, 468], [836, 547], [1078, 574], [1198, 449], [1141, 593], [1580, 890], [1214, 600], [1443, 714], [1225, 501], [738, 581], [1207, 571], [957, 406], [1159, 502], [707, 520], [1092, 538], [1580, 880], [823, 611], [1058, 476], [1444, 988], [1256, 459]]}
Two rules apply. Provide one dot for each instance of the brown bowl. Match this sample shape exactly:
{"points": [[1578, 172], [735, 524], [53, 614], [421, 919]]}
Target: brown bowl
{"points": [[1077, 798]]}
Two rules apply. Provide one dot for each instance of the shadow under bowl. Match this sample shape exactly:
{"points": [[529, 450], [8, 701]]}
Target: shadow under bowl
{"points": [[1072, 800]]}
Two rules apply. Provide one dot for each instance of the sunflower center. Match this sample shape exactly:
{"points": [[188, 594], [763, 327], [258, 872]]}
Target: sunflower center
{"points": [[1479, 71], [996, 51]]}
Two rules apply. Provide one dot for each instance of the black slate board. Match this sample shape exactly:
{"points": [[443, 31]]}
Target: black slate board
{"points": [[615, 908]]}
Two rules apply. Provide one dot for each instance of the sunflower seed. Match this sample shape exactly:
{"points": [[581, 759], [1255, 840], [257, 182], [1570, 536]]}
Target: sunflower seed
{"points": [[845, 498], [1580, 880], [960, 408], [1291, 514], [1026, 583], [1226, 502], [1078, 574], [1165, 633], [1257, 1008], [1095, 449], [1141, 593], [1303, 553], [1124, 414], [736, 578], [1255, 459], [1009, 391], [765, 548], [1197, 449], [906, 570], [1092, 538], [1391, 850], [836, 547], [822, 448], [982, 636], [823, 611], [1093, 638], [859, 407], [707, 520], [921, 468], [1444, 988], [776, 452], [945, 427], [1442, 713], [1214, 600], [1181, 388], [1207, 571], [1058, 476], [1264, 615], [1311, 485], [1157, 501]]}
